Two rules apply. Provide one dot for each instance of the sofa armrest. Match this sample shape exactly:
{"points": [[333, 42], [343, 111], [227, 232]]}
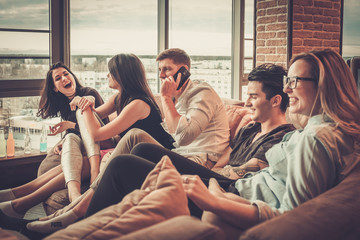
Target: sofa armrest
{"points": [[178, 228], [332, 215]]}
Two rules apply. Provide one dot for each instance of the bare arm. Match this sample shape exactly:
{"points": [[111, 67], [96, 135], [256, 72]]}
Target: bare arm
{"points": [[223, 160], [253, 165], [171, 116], [241, 214], [134, 111]]}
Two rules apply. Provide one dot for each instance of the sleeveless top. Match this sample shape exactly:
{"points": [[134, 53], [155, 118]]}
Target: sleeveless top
{"points": [[151, 124]]}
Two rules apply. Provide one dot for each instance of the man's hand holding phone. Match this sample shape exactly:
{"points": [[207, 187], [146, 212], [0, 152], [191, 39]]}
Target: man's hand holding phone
{"points": [[170, 86]]}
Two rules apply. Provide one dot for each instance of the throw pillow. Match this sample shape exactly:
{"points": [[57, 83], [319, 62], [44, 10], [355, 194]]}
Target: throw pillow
{"points": [[161, 197]]}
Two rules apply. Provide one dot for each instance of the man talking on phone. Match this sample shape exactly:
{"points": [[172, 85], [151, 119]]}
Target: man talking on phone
{"points": [[194, 114]]}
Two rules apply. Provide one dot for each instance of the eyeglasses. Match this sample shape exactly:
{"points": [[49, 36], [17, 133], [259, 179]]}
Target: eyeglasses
{"points": [[291, 82]]}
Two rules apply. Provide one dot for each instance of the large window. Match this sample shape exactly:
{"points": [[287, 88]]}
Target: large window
{"points": [[102, 29], [203, 29], [24, 61], [351, 31], [86, 33]]}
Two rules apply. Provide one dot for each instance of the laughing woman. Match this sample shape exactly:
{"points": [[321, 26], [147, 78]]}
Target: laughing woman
{"points": [[61, 86]]}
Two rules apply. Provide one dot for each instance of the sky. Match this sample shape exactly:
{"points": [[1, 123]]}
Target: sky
{"points": [[201, 27]]}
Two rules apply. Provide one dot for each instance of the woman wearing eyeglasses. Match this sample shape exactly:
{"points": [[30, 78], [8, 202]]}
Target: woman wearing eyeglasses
{"points": [[307, 162]]}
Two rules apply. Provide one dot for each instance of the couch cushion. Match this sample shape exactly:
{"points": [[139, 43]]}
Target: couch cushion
{"points": [[332, 215], [178, 228], [161, 197]]}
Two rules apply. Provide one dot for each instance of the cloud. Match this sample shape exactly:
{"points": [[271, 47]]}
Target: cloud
{"points": [[24, 14]]}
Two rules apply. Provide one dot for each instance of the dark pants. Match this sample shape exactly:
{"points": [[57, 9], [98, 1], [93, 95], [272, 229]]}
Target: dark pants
{"points": [[126, 173]]}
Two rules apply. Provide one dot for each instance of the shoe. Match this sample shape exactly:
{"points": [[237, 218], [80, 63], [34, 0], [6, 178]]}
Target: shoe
{"points": [[13, 223]]}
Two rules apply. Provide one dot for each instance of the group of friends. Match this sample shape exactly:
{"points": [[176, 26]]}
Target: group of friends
{"points": [[269, 163]]}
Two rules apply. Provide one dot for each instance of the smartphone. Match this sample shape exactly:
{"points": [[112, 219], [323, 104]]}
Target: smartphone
{"points": [[185, 74]]}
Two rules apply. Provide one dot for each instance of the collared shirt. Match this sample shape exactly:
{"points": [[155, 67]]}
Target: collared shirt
{"points": [[203, 129], [303, 165]]}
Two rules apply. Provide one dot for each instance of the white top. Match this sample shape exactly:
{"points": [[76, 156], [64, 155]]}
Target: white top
{"points": [[203, 129]]}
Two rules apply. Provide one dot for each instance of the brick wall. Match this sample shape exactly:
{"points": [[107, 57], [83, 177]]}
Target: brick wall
{"points": [[271, 31], [316, 25]]}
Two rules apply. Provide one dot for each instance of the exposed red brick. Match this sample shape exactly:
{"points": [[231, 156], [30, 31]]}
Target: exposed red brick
{"points": [[261, 12], [276, 42], [335, 21], [260, 57], [266, 35], [303, 2], [297, 41], [331, 28], [313, 11], [312, 26], [275, 27], [281, 50], [302, 34], [297, 26], [275, 58], [266, 19], [266, 4], [331, 43], [323, 4], [274, 11], [303, 18], [282, 18], [297, 50], [266, 50], [313, 42], [321, 19], [260, 43], [337, 6], [323, 35], [281, 34], [282, 2], [331, 13], [336, 36], [260, 28], [298, 9]]}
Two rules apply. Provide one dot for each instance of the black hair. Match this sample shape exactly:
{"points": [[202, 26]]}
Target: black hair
{"points": [[271, 78]]}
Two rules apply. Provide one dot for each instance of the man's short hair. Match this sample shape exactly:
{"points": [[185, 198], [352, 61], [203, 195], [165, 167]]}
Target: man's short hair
{"points": [[177, 55], [271, 77]]}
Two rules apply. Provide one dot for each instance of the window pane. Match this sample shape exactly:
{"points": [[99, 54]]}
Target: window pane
{"points": [[101, 29], [23, 68], [24, 43], [22, 14], [20, 113], [203, 29], [249, 19], [351, 30]]}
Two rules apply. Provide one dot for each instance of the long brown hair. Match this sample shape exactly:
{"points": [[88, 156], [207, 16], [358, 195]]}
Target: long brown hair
{"points": [[129, 72], [337, 90], [54, 104]]}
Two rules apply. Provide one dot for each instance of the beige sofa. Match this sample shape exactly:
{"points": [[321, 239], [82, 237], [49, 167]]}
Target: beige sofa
{"points": [[238, 117]]}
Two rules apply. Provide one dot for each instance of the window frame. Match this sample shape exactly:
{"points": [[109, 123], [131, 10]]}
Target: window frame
{"points": [[59, 34]]}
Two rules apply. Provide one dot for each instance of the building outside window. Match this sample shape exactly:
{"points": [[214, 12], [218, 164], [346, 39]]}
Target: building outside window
{"points": [[24, 61], [102, 29]]}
